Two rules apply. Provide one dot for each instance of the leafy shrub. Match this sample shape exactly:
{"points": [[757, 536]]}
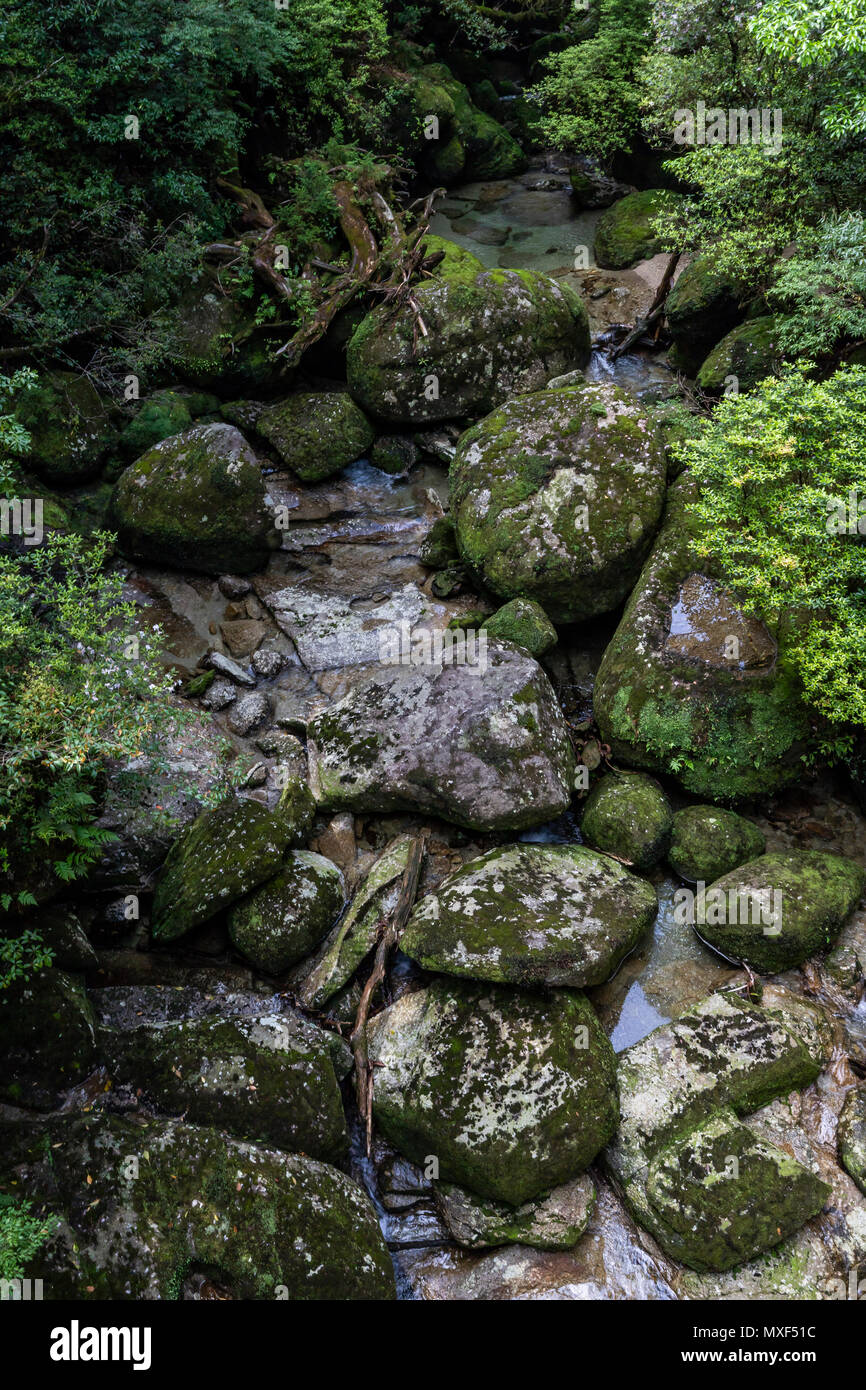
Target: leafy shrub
{"points": [[821, 289], [22, 1235]]}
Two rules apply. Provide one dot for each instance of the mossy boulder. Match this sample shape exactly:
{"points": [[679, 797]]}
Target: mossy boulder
{"points": [[316, 433], [270, 1078], [525, 623], [514, 1094], [70, 427], [439, 546], [196, 501], [482, 744], [708, 841], [691, 687], [554, 1222], [556, 497], [284, 920], [159, 417], [748, 353], [628, 814], [532, 915], [222, 855], [489, 333], [47, 1038], [213, 342], [779, 909], [266, 1224], [723, 1195], [625, 232], [703, 306], [469, 143], [851, 1135]]}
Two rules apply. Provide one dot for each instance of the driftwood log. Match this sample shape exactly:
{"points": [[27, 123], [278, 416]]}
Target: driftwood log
{"points": [[653, 313]]}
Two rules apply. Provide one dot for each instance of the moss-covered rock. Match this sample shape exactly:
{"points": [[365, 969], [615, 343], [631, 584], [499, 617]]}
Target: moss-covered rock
{"points": [[197, 501], [525, 623], [702, 307], [556, 497], [482, 743], [512, 1093], [723, 1195], [47, 1038], [70, 427], [532, 915], [691, 687], [489, 333], [224, 854], [316, 433], [851, 1135], [628, 814], [708, 841], [271, 1078], [163, 414], [211, 340], [355, 935], [284, 920], [394, 453], [625, 232], [779, 909], [748, 353], [439, 546], [554, 1222], [266, 1224], [469, 144]]}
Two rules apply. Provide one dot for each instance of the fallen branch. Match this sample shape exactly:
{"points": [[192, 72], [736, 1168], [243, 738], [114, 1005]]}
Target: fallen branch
{"points": [[390, 931], [653, 313]]}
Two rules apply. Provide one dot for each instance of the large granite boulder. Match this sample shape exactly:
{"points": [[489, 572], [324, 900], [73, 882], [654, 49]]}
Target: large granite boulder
{"points": [[625, 232], [316, 433], [557, 495], [703, 306], [281, 922], [744, 357], [532, 915], [485, 746]]}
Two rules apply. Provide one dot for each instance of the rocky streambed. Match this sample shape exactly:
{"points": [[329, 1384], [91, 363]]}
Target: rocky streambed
{"points": [[589, 1081]]}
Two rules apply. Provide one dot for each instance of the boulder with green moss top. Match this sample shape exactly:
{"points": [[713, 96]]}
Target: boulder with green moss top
{"points": [[690, 686], [478, 740], [439, 547], [470, 144], [525, 623], [490, 333], [273, 1225], [47, 1038], [316, 433], [625, 232], [708, 841], [212, 340], [513, 1093], [197, 501], [744, 357], [222, 855], [163, 414], [779, 909], [69, 424], [532, 915], [851, 1135], [272, 1078], [556, 497], [284, 920], [554, 1222], [355, 935], [628, 814], [703, 306], [725, 1055]]}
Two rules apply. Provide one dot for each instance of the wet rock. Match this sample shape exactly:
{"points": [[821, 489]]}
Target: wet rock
{"points": [[394, 453], [707, 705], [450, 582], [556, 497], [708, 842], [331, 632], [532, 915], [249, 712], [779, 909], [851, 1135], [283, 921], [593, 189], [554, 1222], [218, 661], [224, 854], [354, 937], [233, 587], [490, 333], [625, 233], [439, 546], [702, 307], [486, 749], [316, 433], [263, 1078], [47, 1038], [275, 1225], [219, 695], [70, 427], [628, 814], [267, 664], [512, 1093], [195, 501], [243, 635], [525, 623], [748, 353]]}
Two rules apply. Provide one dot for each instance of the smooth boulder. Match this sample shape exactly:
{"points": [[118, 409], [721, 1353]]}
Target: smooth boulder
{"points": [[628, 814], [708, 841], [316, 433], [284, 920]]}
